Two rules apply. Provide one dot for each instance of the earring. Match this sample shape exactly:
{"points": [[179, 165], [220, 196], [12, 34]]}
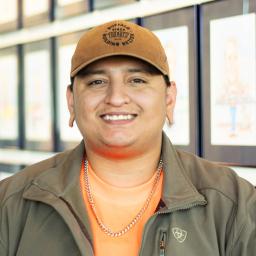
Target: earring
{"points": [[71, 121], [172, 83], [169, 121]]}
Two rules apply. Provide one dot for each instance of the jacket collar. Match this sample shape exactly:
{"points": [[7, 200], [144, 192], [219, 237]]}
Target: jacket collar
{"points": [[178, 190], [62, 179]]}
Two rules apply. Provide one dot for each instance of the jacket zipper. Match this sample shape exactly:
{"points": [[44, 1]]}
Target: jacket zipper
{"points": [[162, 244]]}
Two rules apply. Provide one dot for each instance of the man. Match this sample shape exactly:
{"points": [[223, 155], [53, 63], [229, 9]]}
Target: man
{"points": [[125, 190]]}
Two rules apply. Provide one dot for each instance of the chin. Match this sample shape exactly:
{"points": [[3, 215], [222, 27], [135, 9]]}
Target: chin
{"points": [[118, 143], [119, 138]]}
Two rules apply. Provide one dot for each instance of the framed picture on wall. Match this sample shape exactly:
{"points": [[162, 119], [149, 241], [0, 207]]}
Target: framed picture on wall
{"points": [[38, 96], [8, 15], [229, 85], [9, 132], [67, 8], [35, 12], [176, 32], [66, 44]]}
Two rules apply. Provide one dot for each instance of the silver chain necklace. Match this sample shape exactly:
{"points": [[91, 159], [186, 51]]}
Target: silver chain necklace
{"points": [[124, 230]]}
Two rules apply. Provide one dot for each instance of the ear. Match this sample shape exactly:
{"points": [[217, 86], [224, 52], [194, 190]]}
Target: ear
{"points": [[70, 102], [170, 101]]}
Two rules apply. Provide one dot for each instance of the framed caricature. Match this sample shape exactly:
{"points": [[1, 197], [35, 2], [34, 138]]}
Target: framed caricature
{"points": [[8, 15], [229, 79], [35, 12], [66, 44], [67, 8], [9, 133], [38, 96], [176, 32]]}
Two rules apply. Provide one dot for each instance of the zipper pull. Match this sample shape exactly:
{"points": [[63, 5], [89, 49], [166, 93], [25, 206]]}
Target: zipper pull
{"points": [[162, 244]]}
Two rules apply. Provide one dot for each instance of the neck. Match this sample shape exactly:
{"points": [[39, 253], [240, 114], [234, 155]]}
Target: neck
{"points": [[125, 172]]}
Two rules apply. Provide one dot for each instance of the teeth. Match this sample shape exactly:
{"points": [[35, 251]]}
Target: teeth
{"points": [[117, 117]]}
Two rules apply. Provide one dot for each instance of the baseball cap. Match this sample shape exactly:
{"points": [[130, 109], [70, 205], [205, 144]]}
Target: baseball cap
{"points": [[119, 37]]}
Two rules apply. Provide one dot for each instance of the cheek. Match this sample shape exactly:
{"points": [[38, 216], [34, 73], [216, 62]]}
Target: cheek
{"points": [[152, 101], [87, 103]]}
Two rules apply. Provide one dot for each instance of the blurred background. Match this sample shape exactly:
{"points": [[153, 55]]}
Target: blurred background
{"points": [[211, 50]]}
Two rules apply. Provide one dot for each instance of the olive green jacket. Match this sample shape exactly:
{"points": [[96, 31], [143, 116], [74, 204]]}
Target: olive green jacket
{"points": [[206, 210]]}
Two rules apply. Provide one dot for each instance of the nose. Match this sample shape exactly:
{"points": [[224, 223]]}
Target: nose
{"points": [[116, 94]]}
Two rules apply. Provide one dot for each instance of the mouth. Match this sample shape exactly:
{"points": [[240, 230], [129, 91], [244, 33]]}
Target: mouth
{"points": [[118, 117]]}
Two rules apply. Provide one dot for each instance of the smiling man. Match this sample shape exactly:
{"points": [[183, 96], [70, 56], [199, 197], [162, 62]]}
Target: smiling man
{"points": [[125, 190]]}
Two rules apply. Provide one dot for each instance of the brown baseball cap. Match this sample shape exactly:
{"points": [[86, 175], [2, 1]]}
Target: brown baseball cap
{"points": [[119, 38]]}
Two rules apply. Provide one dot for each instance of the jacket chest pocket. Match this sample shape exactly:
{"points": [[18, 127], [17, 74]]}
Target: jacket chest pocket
{"points": [[177, 241]]}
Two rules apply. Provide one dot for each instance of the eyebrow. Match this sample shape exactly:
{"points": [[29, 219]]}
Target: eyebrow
{"points": [[141, 70], [86, 72]]}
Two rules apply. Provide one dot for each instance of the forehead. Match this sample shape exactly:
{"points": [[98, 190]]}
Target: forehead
{"points": [[123, 63]]}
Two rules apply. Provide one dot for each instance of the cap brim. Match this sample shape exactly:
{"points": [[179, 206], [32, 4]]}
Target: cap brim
{"points": [[76, 70]]}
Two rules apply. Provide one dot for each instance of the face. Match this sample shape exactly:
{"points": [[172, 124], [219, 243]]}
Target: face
{"points": [[120, 104]]}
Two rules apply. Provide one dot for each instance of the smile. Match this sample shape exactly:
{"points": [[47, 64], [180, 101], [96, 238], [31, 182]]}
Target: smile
{"points": [[121, 117]]}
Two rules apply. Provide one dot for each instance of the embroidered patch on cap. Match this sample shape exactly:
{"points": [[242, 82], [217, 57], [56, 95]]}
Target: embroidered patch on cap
{"points": [[118, 34]]}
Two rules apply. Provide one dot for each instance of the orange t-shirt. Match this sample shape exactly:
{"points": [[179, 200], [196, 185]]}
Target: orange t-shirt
{"points": [[116, 208]]}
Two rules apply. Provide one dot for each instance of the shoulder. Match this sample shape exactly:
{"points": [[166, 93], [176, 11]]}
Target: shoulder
{"points": [[18, 182], [210, 176]]}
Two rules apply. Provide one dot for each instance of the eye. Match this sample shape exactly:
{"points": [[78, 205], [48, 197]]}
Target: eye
{"points": [[137, 81], [96, 82]]}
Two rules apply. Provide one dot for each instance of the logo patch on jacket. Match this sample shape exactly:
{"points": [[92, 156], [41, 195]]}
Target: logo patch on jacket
{"points": [[179, 234]]}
